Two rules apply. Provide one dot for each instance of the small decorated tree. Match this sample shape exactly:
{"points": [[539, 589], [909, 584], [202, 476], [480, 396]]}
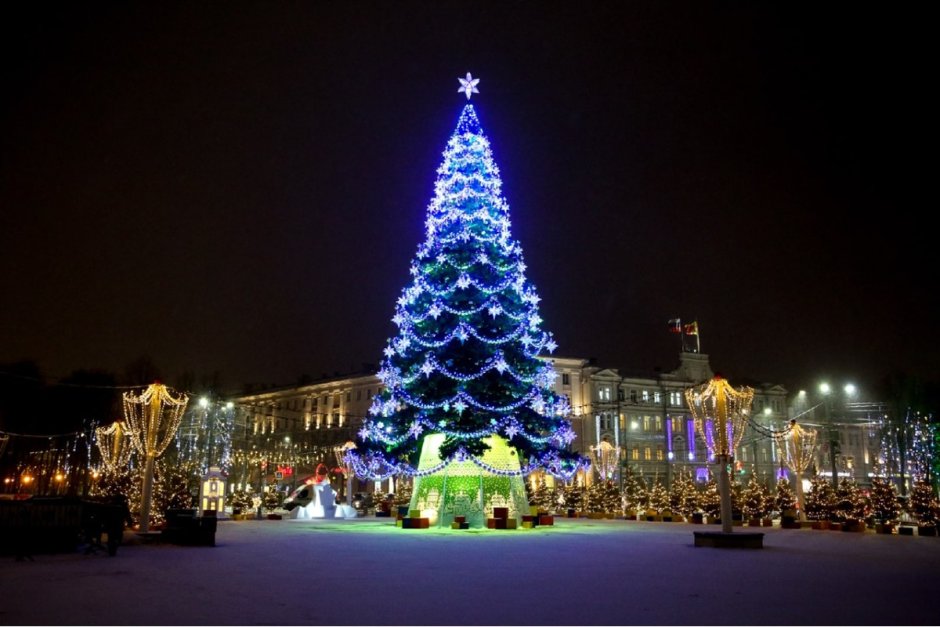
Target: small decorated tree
{"points": [[710, 498], [658, 497], [402, 497], [242, 501], [923, 504], [604, 498], [756, 499], [850, 504], [784, 498], [574, 497], [820, 499], [271, 499], [884, 500], [634, 489], [684, 497]]}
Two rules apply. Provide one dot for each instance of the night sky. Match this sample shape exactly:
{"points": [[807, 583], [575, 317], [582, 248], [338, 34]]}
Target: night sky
{"points": [[240, 187]]}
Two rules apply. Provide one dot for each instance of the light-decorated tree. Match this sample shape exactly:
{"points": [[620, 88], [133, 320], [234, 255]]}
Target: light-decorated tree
{"points": [[784, 497], [573, 497], [923, 504], [403, 489], [468, 407], [710, 497], [683, 496], [885, 506], [633, 493], [756, 499], [604, 497], [241, 501], [850, 503], [657, 496], [820, 499]]}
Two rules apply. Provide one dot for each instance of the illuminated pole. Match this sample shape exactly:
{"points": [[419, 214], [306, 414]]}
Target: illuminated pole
{"points": [[799, 449], [728, 409], [152, 420]]}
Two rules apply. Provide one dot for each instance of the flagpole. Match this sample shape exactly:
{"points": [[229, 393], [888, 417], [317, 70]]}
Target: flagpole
{"points": [[698, 339]]}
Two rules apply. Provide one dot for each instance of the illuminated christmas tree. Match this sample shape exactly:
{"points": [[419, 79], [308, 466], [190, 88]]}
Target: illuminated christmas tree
{"points": [[657, 497], [784, 498], [684, 497], [820, 499], [850, 503], [604, 497], [756, 499], [710, 498], [573, 497], [923, 503], [884, 500], [468, 407], [634, 491]]}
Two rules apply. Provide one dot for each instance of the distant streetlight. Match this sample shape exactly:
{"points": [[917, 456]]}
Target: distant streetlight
{"points": [[825, 389]]}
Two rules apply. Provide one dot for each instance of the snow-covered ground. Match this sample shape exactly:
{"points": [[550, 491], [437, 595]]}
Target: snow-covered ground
{"points": [[580, 572]]}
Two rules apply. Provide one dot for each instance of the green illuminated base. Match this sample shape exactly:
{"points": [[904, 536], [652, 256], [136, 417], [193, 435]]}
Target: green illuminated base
{"points": [[465, 489]]}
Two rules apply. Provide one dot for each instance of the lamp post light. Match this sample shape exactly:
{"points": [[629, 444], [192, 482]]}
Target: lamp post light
{"points": [[826, 390]]}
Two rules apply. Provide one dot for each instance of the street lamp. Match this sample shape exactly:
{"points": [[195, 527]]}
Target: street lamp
{"points": [[825, 389]]}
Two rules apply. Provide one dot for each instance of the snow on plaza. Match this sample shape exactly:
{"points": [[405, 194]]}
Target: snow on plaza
{"points": [[366, 571]]}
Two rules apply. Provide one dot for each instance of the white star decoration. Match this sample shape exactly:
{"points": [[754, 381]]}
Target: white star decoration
{"points": [[468, 85]]}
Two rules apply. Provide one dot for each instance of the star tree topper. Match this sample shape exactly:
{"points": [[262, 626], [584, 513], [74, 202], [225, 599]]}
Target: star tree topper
{"points": [[468, 85]]}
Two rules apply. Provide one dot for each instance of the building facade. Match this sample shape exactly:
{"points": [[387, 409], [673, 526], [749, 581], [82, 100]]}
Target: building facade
{"points": [[645, 418]]}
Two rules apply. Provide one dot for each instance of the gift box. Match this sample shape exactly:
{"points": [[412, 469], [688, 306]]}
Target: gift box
{"points": [[501, 512], [460, 519], [402, 511], [511, 523], [546, 520], [464, 525], [491, 523], [528, 524], [414, 513], [398, 522], [455, 525]]}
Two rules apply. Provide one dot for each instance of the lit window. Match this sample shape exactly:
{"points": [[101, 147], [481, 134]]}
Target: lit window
{"points": [[659, 453], [659, 424], [646, 424], [647, 454], [657, 397], [645, 396]]}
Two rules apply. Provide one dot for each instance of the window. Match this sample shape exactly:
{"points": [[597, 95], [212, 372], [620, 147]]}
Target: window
{"points": [[603, 393], [657, 397], [646, 396], [635, 454], [605, 421], [659, 424], [359, 395], [677, 425], [565, 378], [633, 396], [660, 455], [675, 399], [619, 394], [647, 454], [646, 424]]}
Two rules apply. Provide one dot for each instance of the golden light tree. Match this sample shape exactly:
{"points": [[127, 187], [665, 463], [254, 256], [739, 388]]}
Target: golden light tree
{"points": [[152, 420], [114, 445], [605, 458], [799, 451], [721, 414]]}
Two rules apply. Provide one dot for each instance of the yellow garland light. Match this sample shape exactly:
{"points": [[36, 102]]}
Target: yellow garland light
{"points": [[153, 418], [728, 408], [799, 446], [605, 458], [114, 445]]}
